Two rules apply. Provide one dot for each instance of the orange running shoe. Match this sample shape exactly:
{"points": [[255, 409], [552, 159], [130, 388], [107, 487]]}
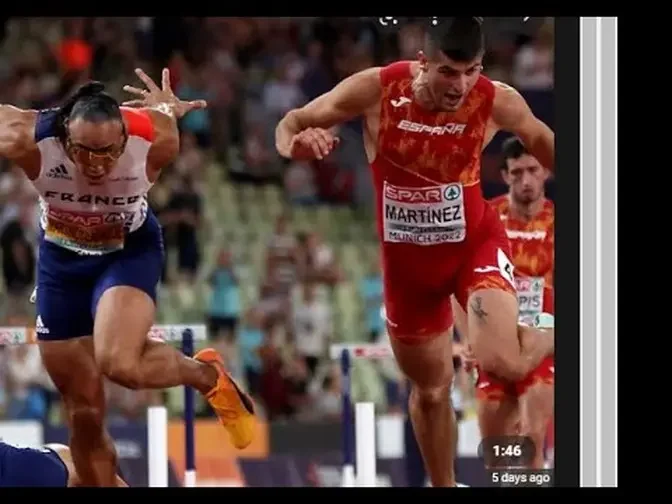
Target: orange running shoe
{"points": [[233, 407]]}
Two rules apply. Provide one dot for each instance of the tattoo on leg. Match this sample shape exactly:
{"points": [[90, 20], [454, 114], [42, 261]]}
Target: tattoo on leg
{"points": [[477, 308]]}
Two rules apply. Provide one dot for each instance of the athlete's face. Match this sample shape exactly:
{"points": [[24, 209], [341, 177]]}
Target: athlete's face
{"points": [[525, 177], [95, 147], [450, 81]]}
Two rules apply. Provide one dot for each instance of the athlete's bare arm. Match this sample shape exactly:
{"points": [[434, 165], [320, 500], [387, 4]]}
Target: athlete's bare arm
{"points": [[17, 140], [165, 109], [510, 112], [166, 145], [351, 98]]}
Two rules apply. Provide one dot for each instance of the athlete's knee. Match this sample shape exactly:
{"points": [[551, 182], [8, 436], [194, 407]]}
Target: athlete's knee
{"points": [[120, 368], [429, 397], [86, 420]]}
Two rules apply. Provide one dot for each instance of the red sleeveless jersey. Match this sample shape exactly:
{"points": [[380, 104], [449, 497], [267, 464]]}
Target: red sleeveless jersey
{"points": [[533, 253], [427, 168]]}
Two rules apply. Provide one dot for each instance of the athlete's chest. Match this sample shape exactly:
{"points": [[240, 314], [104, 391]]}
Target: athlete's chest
{"points": [[532, 244], [437, 145], [61, 185]]}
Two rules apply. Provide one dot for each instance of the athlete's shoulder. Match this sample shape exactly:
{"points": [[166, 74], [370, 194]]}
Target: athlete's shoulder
{"points": [[46, 123], [138, 123], [549, 210], [396, 71], [506, 96], [500, 203]]}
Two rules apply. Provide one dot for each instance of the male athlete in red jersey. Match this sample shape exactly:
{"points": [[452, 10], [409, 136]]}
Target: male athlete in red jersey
{"points": [[426, 123], [526, 407]]}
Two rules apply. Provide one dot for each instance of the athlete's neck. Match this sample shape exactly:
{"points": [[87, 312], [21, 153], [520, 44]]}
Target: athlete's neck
{"points": [[526, 211]]}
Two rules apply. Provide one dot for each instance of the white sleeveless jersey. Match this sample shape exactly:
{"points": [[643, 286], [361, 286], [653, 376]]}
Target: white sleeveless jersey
{"points": [[85, 218]]}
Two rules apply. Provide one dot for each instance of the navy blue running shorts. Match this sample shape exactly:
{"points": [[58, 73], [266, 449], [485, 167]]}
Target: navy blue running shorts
{"points": [[69, 285], [30, 467]]}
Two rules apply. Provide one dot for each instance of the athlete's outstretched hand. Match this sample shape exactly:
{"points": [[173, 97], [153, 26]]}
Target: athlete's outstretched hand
{"points": [[312, 143], [154, 96]]}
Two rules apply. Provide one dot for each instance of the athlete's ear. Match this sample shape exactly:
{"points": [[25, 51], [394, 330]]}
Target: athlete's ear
{"points": [[424, 62], [505, 176], [547, 173]]}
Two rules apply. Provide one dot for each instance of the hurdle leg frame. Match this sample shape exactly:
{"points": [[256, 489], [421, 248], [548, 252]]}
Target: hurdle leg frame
{"points": [[157, 446], [157, 417], [189, 444], [348, 474]]}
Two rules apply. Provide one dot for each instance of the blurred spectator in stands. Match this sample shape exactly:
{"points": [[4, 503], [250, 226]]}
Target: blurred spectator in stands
{"points": [[115, 55], [316, 260], [280, 260], [311, 327], [274, 301], [282, 242], [193, 86], [250, 342], [158, 197], [17, 227], [371, 291], [224, 309], [191, 160], [184, 214], [273, 388], [299, 182], [125, 406], [259, 155], [327, 399], [282, 93], [28, 382], [74, 52], [316, 79], [533, 65], [297, 377]]}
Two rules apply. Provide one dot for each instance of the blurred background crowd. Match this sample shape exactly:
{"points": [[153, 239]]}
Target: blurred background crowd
{"points": [[278, 258]]}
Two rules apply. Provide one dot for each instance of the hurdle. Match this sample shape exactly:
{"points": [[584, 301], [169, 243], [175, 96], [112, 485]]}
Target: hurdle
{"points": [[157, 416], [359, 468]]}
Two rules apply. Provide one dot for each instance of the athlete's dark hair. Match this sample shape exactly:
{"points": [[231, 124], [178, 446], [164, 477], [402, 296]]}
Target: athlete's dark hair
{"points": [[512, 148], [459, 38], [91, 103]]}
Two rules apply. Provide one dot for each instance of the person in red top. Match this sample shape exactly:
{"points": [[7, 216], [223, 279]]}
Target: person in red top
{"points": [[526, 407], [426, 123]]}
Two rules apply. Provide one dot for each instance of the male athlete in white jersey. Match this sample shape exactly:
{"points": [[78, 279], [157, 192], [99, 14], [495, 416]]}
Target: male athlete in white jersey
{"points": [[100, 260]]}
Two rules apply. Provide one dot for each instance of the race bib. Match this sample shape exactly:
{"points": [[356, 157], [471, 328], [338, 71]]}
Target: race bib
{"points": [[424, 215], [85, 232], [530, 298]]}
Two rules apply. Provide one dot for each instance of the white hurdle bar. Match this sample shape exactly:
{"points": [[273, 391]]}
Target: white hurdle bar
{"points": [[365, 417], [157, 416]]}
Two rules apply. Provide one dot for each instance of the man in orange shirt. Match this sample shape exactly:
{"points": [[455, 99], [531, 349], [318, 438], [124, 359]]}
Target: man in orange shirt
{"points": [[525, 407]]}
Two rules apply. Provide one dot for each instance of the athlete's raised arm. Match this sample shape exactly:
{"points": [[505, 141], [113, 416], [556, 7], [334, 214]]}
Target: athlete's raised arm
{"points": [[511, 113], [302, 133], [165, 109], [17, 140]]}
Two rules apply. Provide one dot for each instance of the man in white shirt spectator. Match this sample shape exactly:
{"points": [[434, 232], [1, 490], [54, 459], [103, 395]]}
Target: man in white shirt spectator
{"points": [[312, 324], [533, 65], [28, 383]]}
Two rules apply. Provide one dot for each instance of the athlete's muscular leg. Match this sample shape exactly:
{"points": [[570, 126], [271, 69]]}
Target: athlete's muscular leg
{"points": [[498, 407], [124, 316], [501, 346], [498, 415], [72, 368], [429, 367], [536, 405]]}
